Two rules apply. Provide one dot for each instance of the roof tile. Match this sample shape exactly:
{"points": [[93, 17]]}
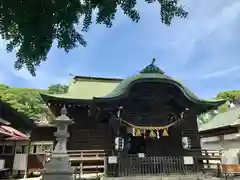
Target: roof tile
{"points": [[229, 118]]}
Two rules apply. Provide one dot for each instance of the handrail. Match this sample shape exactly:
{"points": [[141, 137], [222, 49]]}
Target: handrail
{"points": [[94, 150], [88, 155]]}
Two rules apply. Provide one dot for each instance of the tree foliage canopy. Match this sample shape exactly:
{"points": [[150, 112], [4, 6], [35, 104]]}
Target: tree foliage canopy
{"points": [[57, 89], [29, 101], [31, 26], [205, 118], [231, 96]]}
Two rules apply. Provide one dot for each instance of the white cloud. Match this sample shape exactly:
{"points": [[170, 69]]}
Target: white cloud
{"points": [[221, 73], [179, 42], [202, 43], [44, 77], [193, 48]]}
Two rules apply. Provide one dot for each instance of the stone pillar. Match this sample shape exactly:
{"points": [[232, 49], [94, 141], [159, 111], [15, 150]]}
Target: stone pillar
{"points": [[59, 167]]}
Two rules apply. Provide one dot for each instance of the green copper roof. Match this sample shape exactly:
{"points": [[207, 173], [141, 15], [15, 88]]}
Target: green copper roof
{"points": [[229, 118], [152, 72], [122, 87], [87, 88]]}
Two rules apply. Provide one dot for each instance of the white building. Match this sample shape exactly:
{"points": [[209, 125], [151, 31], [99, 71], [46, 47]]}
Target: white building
{"points": [[223, 133]]}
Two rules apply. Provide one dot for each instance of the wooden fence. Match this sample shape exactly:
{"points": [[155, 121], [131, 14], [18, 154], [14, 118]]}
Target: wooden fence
{"points": [[207, 162], [134, 166]]}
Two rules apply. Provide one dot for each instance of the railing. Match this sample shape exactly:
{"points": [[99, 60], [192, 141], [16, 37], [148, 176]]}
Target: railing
{"points": [[134, 166], [86, 155], [87, 162]]}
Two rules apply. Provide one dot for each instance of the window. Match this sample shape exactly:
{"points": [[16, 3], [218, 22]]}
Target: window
{"points": [[24, 149], [21, 149], [18, 150], [41, 148], [8, 150], [47, 148], [1, 149], [186, 142], [34, 148]]}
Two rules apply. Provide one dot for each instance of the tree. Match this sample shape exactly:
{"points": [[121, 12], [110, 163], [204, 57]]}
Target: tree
{"points": [[206, 117], [230, 96], [57, 89], [31, 26], [3, 87], [29, 101], [233, 95]]}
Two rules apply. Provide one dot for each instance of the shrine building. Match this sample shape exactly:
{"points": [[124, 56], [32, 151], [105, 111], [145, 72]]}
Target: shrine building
{"points": [[154, 114]]}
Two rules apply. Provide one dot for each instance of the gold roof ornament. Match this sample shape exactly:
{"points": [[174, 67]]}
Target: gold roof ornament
{"points": [[152, 68]]}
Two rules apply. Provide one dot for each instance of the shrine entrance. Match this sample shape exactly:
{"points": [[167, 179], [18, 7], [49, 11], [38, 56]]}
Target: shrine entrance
{"points": [[136, 145], [154, 141]]}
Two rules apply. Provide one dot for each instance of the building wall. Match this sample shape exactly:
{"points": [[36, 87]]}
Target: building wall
{"points": [[87, 134], [45, 133], [36, 149], [229, 144]]}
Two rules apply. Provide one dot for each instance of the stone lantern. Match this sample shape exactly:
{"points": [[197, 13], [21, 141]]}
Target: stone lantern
{"points": [[59, 167]]}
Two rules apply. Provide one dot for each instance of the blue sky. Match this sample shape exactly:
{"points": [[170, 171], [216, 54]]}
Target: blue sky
{"points": [[201, 51]]}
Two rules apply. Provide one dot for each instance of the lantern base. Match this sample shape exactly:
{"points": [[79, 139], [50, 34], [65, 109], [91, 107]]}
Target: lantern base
{"points": [[58, 169]]}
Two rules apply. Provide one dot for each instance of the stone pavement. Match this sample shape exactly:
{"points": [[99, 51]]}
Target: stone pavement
{"points": [[167, 178], [35, 178], [171, 177]]}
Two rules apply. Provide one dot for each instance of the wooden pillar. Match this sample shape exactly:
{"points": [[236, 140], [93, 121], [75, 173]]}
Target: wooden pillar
{"points": [[14, 153], [28, 150], [124, 134], [105, 165], [80, 169], [221, 141]]}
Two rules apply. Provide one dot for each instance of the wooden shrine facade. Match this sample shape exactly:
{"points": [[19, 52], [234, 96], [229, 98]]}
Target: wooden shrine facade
{"points": [[151, 111], [151, 125]]}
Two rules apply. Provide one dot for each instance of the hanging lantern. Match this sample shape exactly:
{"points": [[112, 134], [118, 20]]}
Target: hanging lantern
{"points": [[152, 134], [165, 133]]}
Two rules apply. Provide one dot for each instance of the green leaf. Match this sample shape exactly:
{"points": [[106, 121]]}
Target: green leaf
{"points": [[31, 26], [29, 101]]}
